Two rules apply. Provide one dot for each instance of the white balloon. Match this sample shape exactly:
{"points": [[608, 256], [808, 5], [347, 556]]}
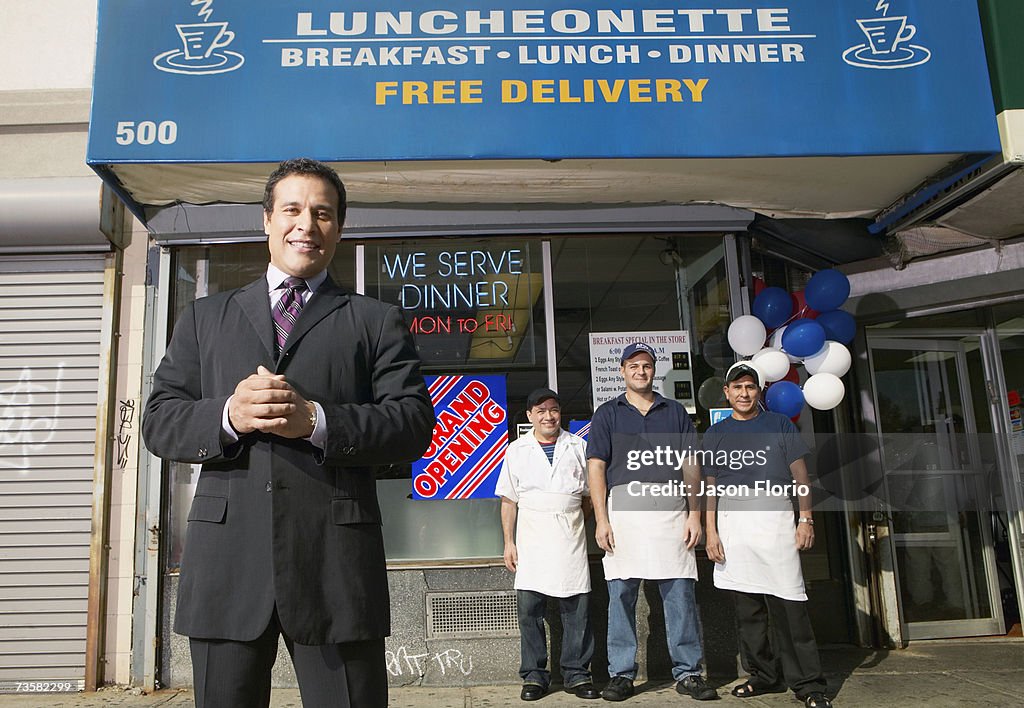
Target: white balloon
{"points": [[823, 391], [772, 363], [746, 335], [834, 358], [776, 343]]}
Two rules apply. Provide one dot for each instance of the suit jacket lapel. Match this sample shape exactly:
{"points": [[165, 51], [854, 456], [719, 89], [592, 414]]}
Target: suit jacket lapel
{"points": [[254, 299], [328, 297]]}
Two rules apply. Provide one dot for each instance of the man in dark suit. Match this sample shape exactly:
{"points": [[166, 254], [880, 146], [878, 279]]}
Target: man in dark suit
{"points": [[288, 391]]}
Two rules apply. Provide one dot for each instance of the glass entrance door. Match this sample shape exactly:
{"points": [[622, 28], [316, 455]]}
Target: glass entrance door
{"points": [[936, 484]]}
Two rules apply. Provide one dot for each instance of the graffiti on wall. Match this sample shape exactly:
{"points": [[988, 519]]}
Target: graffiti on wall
{"points": [[401, 663], [27, 420], [126, 416]]}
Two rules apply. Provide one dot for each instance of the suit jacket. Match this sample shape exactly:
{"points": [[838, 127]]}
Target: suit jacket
{"points": [[276, 521]]}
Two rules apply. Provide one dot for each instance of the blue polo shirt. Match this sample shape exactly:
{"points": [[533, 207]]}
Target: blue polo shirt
{"points": [[618, 428], [756, 450]]}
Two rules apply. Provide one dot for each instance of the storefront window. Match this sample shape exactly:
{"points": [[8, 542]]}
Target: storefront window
{"points": [[474, 307], [622, 284]]}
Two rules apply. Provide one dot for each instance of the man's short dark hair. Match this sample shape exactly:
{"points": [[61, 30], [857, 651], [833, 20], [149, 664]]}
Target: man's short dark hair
{"points": [[305, 166]]}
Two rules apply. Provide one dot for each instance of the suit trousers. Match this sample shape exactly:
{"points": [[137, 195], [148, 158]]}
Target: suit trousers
{"points": [[773, 631], [230, 674]]}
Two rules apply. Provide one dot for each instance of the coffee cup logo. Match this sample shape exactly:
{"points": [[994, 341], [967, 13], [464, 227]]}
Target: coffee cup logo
{"points": [[202, 48], [887, 45], [886, 33], [200, 39]]}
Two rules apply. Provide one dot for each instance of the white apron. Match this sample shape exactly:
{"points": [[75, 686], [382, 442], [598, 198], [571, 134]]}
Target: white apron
{"points": [[552, 545], [759, 539], [648, 538]]}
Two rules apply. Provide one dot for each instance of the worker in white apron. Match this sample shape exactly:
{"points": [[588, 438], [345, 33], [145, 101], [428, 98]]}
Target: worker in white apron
{"points": [[542, 484], [755, 542], [646, 537]]}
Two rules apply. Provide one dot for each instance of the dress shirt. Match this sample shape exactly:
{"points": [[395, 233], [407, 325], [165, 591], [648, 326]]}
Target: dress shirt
{"points": [[274, 279]]}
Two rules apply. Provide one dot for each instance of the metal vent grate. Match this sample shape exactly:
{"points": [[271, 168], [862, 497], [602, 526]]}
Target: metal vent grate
{"points": [[472, 614]]}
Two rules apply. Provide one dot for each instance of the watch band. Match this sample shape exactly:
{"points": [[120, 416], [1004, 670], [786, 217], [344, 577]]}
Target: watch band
{"points": [[805, 520]]}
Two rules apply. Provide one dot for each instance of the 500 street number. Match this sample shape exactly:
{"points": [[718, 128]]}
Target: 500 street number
{"points": [[146, 132]]}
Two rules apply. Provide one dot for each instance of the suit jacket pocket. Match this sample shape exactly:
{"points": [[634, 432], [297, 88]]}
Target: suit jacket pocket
{"points": [[354, 510], [205, 508]]}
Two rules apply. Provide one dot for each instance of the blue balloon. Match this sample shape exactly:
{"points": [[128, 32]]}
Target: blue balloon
{"points": [[803, 337], [839, 326], [827, 290], [773, 306], [785, 397]]}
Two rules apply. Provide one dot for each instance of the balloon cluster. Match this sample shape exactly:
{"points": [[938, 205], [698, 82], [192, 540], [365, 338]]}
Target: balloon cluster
{"points": [[806, 328]]}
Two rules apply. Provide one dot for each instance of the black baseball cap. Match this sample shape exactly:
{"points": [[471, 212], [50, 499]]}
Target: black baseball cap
{"points": [[538, 396], [741, 369], [638, 348]]}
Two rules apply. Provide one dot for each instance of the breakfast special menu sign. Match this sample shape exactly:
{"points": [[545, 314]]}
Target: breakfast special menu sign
{"points": [[673, 377]]}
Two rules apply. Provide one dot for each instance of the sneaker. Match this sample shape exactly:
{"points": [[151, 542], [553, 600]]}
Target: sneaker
{"points": [[618, 689], [696, 687]]}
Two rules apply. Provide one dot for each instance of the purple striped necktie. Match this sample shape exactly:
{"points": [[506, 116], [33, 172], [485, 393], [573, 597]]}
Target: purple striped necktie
{"points": [[287, 309]]}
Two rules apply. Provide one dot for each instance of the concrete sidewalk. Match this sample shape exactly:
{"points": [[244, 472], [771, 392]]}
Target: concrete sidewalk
{"points": [[933, 674]]}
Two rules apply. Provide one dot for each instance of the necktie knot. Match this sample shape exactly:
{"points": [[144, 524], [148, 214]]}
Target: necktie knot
{"points": [[293, 283]]}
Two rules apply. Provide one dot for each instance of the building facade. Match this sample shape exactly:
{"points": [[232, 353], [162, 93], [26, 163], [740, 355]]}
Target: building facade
{"points": [[623, 172]]}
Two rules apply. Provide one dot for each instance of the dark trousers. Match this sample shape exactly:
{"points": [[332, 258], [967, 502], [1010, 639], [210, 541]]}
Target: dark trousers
{"points": [[773, 631], [577, 638], [230, 674]]}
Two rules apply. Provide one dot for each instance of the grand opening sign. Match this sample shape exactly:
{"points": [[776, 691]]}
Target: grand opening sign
{"points": [[469, 440], [219, 80]]}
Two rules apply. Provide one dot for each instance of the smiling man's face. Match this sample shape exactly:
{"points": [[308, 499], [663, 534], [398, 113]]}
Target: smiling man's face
{"points": [[303, 228], [743, 395]]}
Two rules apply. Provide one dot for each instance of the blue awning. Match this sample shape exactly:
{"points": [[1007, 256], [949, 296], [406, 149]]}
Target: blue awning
{"points": [[200, 84]]}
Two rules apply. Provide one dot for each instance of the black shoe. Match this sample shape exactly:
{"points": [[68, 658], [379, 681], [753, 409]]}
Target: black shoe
{"points": [[696, 687], [532, 692], [618, 689], [583, 690], [817, 699]]}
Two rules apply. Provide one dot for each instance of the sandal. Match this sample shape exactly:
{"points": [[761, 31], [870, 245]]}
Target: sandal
{"points": [[751, 688], [817, 700]]}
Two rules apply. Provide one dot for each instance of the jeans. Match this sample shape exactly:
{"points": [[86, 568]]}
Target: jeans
{"points": [[577, 638], [682, 626]]}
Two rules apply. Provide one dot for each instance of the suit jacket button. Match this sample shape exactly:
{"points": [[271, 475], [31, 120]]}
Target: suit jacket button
{"points": [[202, 452]]}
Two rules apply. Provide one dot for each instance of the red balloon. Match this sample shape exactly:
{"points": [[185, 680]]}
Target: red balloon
{"points": [[759, 285], [800, 306], [792, 375]]}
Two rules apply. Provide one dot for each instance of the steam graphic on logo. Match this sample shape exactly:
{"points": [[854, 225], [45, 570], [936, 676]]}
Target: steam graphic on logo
{"points": [[202, 46], [887, 46]]}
